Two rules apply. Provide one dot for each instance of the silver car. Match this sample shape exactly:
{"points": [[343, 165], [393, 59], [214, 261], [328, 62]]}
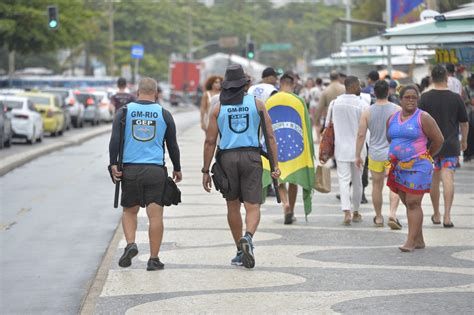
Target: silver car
{"points": [[5, 127], [75, 108]]}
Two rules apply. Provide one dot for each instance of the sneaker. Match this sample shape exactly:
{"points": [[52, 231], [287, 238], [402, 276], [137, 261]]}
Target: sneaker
{"points": [[129, 252], [237, 260], [248, 259], [154, 264]]}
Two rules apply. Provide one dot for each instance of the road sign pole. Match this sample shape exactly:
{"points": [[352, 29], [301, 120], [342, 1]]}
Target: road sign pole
{"points": [[135, 76]]}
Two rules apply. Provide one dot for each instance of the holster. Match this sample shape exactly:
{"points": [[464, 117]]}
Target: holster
{"points": [[219, 177], [171, 192]]}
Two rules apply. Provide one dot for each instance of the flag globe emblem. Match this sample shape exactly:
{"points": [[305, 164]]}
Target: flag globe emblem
{"points": [[288, 130]]}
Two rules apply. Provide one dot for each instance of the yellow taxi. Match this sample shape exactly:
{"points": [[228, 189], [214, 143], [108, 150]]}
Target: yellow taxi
{"points": [[49, 106]]}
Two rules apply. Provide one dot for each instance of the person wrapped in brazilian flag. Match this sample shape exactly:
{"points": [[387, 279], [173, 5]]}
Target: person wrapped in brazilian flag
{"points": [[292, 127]]}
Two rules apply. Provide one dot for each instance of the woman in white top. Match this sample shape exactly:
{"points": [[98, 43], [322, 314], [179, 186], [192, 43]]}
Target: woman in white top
{"points": [[213, 87]]}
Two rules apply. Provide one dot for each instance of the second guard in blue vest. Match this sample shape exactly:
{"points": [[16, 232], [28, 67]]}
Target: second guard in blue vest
{"points": [[236, 119], [148, 126]]}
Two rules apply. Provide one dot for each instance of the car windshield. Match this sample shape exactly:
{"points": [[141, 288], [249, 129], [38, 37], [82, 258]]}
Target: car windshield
{"points": [[83, 97], [61, 94], [39, 99], [13, 104]]}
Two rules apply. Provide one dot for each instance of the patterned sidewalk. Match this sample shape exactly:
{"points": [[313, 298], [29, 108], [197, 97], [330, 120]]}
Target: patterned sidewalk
{"points": [[314, 267]]}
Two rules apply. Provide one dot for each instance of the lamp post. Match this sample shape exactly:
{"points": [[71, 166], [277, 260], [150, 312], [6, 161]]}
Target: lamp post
{"points": [[388, 18]]}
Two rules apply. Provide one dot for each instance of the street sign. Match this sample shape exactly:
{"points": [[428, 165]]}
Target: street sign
{"points": [[228, 42], [276, 46], [137, 51]]}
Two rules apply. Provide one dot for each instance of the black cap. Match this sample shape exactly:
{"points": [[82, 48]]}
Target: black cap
{"points": [[268, 72], [373, 75]]}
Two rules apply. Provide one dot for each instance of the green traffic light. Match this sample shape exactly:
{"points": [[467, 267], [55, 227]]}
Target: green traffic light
{"points": [[53, 24], [250, 55]]}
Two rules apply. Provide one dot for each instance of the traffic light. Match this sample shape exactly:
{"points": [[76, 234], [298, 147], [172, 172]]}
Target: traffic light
{"points": [[250, 50], [53, 22]]}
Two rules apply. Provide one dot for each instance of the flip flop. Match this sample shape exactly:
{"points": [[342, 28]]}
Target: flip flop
{"points": [[433, 220], [449, 225], [378, 224], [394, 224]]}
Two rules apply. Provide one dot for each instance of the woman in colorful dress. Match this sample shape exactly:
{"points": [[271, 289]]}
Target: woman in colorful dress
{"points": [[408, 132]]}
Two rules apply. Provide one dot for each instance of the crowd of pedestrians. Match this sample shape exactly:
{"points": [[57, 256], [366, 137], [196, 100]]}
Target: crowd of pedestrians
{"points": [[410, 136]]}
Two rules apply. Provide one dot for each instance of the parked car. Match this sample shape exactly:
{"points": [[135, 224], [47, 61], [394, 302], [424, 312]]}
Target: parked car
{"points": [[105, 106], [91, 111], [26, 120], [5, 127], [49, 106], [76, 109], [66, 114]]}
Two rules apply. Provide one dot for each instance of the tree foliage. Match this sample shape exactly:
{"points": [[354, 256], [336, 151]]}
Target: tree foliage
{"points": [[24, 29], [166, 27]]}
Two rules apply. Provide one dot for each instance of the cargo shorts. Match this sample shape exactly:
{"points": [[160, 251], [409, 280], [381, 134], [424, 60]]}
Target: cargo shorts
{"points": [[243, 169]]}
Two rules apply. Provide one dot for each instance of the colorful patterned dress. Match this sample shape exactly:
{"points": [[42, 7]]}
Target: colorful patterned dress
{"points": [[411, 163]]}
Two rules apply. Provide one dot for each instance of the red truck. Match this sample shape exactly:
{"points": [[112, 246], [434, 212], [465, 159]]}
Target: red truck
{"points": [[184, 80]]}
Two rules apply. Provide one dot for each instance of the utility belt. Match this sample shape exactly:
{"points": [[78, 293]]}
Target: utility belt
{"points": [[143, 164], [219, 177]]}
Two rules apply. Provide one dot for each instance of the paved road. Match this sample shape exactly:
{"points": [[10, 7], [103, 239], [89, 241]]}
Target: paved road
{"points": [[56, 222], [315, 267]]}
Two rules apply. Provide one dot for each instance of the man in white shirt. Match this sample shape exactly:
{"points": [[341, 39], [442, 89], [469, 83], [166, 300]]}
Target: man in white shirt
{"points": [[266, 88], [345, 112], [453, 83]]}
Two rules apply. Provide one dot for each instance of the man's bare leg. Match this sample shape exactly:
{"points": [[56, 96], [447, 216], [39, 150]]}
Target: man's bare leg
{"points": [[155, 228], [234, 219], [377, 197], [292, 193], [447, 177], [252, 217], [129, 223]]}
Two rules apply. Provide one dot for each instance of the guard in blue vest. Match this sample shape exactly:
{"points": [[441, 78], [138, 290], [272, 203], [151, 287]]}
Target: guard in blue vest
{"points": [[148, 126], [236, 119]]}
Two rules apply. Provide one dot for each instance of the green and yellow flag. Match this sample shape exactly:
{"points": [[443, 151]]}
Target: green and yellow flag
{"points": [[292, 127]]}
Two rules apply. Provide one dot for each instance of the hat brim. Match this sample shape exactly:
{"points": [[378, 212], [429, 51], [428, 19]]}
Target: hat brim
{"points": [[234, 84]]}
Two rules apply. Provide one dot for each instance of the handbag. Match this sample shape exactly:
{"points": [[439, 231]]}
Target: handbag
{"points": [[322, 179], [326, 146]]}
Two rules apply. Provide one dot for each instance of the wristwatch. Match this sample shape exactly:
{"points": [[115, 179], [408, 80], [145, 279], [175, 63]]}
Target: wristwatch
{"points": [[204, 171]]}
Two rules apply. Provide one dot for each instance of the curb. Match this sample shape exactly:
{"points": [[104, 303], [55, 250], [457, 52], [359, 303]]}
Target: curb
{"points": [[16, 160]]}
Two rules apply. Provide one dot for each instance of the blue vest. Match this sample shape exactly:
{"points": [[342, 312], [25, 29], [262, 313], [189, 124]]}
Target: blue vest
{"points": [[239, 125], [144, 134]]}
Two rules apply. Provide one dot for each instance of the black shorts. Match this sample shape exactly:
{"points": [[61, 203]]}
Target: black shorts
{"points": [[243, 169], [142, 185]]}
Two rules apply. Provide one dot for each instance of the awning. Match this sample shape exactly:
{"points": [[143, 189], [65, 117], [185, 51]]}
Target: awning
{"points": [[432, 27], [415, 40]]}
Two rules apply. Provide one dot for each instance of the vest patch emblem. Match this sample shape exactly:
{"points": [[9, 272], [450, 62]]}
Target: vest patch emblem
{"points": [[143, 130], [239, 123]]}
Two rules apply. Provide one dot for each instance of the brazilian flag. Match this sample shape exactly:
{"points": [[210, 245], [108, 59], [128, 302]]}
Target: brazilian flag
{"points": [[292, 127]]}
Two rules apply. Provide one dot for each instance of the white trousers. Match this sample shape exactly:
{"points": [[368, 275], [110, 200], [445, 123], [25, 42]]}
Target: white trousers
{"points": [[347, 172]]}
